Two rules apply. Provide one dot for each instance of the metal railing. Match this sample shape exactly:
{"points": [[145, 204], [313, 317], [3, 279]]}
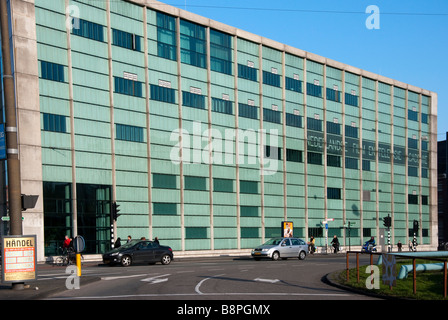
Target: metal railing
{"points": [[414, 270]]}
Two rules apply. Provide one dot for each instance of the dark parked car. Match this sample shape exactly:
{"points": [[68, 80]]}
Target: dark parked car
{"points": [[139, 251]]}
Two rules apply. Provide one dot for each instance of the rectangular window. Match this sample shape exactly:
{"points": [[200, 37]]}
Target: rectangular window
{"points": [[413, 171], [222, 106], [273, 116], [294, 155], [424, 118], [412, 199], [52, 71], [54, 123], [220, 52], [195, 183], [247, 111], [412, 143], [196, 233], [351, 131], [249, 211], [248, 73], [89, 30], [126, 40], [333, 161], [249, 232], [333, 193], [293, 84], [250, 187], [314, 158], [313, 90], [274, 153], [271, 79], [351, 163], [366, 165], [193, 100], [334, 128], [351, 99], [412, 115], [164, 181], [293, 120], [163, 94], [315, 232], [425, 200], [166, 36], [222, 185], [129, 133], [165, 209], [193, 44], [314, 124], [129, 87], [333, 95]]}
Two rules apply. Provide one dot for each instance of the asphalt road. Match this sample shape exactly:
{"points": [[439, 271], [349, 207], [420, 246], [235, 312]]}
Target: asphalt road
{"points": [[221, 278]]}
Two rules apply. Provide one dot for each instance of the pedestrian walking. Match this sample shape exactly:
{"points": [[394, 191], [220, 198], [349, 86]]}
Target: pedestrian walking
{"points": [[399, 245]]}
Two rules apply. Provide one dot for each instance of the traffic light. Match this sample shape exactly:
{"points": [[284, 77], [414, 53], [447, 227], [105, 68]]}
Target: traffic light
{"points": [[415, 226], [115, 211], [387, 221]]}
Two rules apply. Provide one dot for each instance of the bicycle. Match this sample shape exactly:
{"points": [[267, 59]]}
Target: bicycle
{"points": [[67, 257]]}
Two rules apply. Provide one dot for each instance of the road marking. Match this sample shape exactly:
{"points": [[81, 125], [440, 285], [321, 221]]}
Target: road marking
{"points": [[202, 281], [267, 280], [154, 280], [124, 277]]}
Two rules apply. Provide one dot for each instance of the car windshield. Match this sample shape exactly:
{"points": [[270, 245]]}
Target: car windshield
{"points": [[273, 242], [128, 244]]}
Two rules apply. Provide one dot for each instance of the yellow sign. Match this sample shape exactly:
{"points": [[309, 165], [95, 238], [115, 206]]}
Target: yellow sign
{"points": [[287, 227], [18, 258]]}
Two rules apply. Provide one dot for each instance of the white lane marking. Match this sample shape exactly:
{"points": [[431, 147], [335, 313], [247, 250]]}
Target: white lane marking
{"points": [[267, 280], [202, 281], [124, 277], [154, 280]]}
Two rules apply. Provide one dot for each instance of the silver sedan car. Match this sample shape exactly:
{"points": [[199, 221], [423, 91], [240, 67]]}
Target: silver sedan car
{"points": [[281, 248]]}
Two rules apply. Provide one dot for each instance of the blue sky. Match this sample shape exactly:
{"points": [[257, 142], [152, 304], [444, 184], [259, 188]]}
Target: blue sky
{"points": [[410, 45]]}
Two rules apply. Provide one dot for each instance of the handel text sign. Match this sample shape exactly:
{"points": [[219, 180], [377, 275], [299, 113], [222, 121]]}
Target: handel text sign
{"points": [[18, 258]]}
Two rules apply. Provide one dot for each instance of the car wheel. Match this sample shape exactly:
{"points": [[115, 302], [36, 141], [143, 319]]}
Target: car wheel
{"points": [[275, 256], [302, 255], [126, 261], [166, 259]]}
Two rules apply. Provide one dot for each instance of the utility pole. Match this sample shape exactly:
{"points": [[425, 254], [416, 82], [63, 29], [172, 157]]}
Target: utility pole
{"points": [[12, 150]]}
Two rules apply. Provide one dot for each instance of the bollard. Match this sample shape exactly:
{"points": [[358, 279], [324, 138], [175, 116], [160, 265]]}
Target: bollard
{"points": [[78, 263]]}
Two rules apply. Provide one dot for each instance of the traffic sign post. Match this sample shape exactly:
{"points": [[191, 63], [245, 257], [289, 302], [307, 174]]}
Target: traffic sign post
{"points": [[325, 223]]}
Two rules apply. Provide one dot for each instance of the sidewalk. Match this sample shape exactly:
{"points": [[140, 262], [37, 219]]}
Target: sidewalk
{"points": [[41, 289]]}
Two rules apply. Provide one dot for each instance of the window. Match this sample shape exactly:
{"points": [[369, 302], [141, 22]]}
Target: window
{"points": [[248, 73], [273, 152], [424, 118], [126, 40], [313, 90], [249, 232], [412, 115], [52, 71], [315, 232], [351, 99], [366, 165], [412, 199], [89, 30], [160, 208], [413, 171], [54, 123], [166, 36], [314, 158], [271, 79], [270, 115], [351, 131], [333, 95], [193, 100], [425, 200], [250, 187], [314, 124], [164, 181], [333, 161], [334, 128], [249, 211], [247, 111], [163, 94], [192, 44], [351, 163], [294, 155], [222, 106], [196, 233], [222, 185], [412, 143], [293, 84], [195, 183], [293, 120], [129, 87], [333, 193], [129, 133], [220, 52]]}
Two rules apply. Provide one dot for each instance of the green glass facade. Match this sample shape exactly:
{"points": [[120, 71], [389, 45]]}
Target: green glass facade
{"points": [[113, 91]]}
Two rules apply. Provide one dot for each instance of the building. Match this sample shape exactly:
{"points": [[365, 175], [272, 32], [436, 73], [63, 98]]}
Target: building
{"points": [[270, 133], [442, 189]]}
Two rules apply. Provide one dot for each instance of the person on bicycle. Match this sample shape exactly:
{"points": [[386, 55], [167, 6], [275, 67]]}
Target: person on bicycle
{"points": [[311, 246], [67, 243], [335, 243]]}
